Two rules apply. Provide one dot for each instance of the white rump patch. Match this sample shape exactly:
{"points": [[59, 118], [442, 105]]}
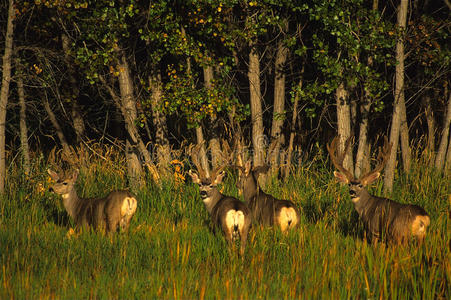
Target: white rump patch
{"points": [[287, 218], [419, 225], [128, 209], [234, 218]]}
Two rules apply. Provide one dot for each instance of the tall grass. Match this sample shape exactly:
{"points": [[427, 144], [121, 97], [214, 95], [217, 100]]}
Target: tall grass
{"points": [[171, 252]]}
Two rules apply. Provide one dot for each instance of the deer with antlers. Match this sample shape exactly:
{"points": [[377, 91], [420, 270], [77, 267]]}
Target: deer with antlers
{"points": [[383, 218], [229, 214], [106, 214]]}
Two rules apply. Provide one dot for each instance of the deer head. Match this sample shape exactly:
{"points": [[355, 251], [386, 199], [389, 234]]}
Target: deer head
{"points": [[207, 184], [64, 183], [356, 186]]}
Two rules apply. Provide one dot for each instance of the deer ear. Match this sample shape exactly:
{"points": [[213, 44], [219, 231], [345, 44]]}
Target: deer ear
{"points": [[194, 176], [53, 174], [341, 177], [370, 178], [219, 178], [75, 174], [247, 167], [260, 169]]}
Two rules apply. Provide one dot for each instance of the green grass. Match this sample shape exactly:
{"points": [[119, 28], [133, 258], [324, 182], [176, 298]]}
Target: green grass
{"points": [[170, 251]]}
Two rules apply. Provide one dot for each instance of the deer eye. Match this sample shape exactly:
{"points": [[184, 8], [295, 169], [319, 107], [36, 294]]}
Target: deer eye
{"points": [[64, 183], [349, 184], [360, 185]]}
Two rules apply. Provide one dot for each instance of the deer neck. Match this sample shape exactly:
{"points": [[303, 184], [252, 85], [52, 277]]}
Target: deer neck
{"points": [[211, 199], [361, 200], [70, 202], [250, 189]]}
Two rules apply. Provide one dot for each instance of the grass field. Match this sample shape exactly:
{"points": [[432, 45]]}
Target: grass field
{"points": [[170, 251]]}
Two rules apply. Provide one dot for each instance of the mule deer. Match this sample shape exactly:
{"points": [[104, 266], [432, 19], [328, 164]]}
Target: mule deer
{"points": [[266, 209], [383, 218], [231, 215], [106, 214]]}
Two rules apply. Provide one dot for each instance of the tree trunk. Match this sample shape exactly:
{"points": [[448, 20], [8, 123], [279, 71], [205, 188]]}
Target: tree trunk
{"points": [[59, 131], [258, 139], [162, 147], [344, 122], [23, 124], [404, 136], [77, 117], [293, 126], [279, 106], [128, 103], [430, 119], [362, 160], [440, 159], [362, 155], [214, 145], [6, 78], [399, 101]]}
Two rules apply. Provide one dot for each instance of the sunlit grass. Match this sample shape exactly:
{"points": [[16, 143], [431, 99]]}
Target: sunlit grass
{"points": [[171, 252]]}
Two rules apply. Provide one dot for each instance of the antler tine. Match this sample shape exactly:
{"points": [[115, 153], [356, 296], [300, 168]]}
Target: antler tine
{"points": [[337, 160], [382, 157], [239, 152], [193, 151], [227, 157]]}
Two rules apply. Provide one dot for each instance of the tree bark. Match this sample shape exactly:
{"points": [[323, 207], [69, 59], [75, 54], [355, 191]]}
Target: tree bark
{"points": [[162, 146], [399, 101], [59, 131], [214, 145], [404, 136], [258, 139], [77, 117], [6, 78], [430, 119], [279, 106], [23, 124], [344, 122], [362, 155], [440, 158], [129, 112], [293, 126]]}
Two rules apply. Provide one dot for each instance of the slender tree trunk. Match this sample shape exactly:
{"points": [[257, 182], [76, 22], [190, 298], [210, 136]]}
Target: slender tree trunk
{"points": [[293, 126], [128, 103], [6, 78], [404, 136], [77, 117], [344, 122], [159, 122], [362, 160], [279, 106], [399, 101], [215, 147], [258, 139], [59, 131], [362, 155], [430, 119], [440, 159], [448, 156], [23, 124]]}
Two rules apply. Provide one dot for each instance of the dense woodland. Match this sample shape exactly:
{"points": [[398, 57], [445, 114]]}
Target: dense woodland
{"points": [[282, 77]]}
